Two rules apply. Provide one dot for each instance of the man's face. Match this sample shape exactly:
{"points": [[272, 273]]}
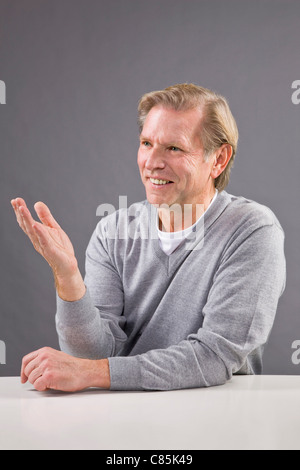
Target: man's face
{"points": [[171, 158]]}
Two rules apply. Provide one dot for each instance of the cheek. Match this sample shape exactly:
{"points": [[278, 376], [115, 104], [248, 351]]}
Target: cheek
{"points": [[187, 170], [194, 174], [141, 158], [140, 161]]}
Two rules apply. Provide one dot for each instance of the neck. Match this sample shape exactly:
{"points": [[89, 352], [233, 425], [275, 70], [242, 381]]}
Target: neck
{"points": [[179, 217]]}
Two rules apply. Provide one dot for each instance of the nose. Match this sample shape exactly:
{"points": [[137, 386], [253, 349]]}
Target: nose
{"points": [[154, 160]]}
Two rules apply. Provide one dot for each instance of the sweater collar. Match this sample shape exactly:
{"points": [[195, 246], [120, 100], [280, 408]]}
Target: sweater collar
{"points": [[195, 238]]}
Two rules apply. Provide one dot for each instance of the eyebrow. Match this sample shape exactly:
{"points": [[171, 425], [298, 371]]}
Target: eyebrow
{"points": [[179, 144], [142, 137]]}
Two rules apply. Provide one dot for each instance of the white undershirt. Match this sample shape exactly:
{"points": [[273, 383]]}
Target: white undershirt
{"points": [[169, 241]]}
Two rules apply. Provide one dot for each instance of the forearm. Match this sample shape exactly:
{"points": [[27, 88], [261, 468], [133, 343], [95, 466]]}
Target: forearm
{"points": [[178, 367]]}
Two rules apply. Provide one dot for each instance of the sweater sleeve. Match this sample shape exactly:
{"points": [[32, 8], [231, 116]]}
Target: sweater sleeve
{"points": [[93, 327], [238, 317]]}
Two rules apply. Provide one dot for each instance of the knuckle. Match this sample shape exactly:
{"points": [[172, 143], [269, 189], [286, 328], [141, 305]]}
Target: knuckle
{"points": [[49, 376], [45, 349], [27, 369], [44, 354], [46, 363], [26, 359], [40, 385]]}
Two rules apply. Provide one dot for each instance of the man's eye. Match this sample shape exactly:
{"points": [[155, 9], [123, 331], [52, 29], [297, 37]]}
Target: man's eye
{"points": [[145, 143], [174, 149]]}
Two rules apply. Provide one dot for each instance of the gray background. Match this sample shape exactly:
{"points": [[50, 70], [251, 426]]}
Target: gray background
{"points": [[74, 71]]}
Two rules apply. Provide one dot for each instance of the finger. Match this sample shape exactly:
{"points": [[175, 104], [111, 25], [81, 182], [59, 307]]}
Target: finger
{"points": [[25, 361], [35, 374], [28, 223], [32, 369], [40, 384], [17, 213], [45, 215], [25, 212], [20, 203], [20, 209]]}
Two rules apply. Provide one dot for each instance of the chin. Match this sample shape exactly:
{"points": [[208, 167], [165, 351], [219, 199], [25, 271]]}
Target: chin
{"points": [[158, 200]]}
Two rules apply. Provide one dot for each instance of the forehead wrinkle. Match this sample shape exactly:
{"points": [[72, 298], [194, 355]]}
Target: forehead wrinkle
{"points": [[165, 130], [168, 135]]}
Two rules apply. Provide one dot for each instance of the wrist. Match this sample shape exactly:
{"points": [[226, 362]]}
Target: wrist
{"points": [[70, 287], [97, 373]]}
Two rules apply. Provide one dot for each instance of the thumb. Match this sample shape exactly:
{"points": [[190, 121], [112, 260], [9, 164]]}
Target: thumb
{"points": [[45, 215]]}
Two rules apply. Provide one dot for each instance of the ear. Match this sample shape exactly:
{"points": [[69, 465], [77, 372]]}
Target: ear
{"points": [[220, 160]]}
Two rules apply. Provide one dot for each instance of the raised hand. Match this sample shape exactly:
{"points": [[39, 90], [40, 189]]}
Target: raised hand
{"points": [[53, 244]]}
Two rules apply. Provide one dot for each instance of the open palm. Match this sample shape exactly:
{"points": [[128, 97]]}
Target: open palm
{"points": [[47, 237]]}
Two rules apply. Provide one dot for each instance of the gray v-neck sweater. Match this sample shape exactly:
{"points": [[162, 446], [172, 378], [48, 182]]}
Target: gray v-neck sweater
{"points": [[190, 319]]}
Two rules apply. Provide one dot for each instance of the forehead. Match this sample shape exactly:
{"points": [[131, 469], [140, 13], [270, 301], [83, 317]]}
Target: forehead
{"points": [[164, 124]]}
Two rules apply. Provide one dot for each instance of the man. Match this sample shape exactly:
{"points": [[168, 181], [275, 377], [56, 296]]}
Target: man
{"points": [[183, 299]]}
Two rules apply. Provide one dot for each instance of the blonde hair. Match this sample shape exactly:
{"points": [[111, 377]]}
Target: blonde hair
{"points": [[218, 125]]}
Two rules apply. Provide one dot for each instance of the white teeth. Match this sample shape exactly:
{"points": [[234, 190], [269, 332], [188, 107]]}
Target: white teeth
{"points": [[159, 181]]}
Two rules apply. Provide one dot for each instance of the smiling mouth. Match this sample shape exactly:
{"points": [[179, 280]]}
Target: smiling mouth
{"points": [[159, 182]]}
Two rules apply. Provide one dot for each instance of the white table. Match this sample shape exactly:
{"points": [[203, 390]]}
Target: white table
{"points": [[260, 412]]}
